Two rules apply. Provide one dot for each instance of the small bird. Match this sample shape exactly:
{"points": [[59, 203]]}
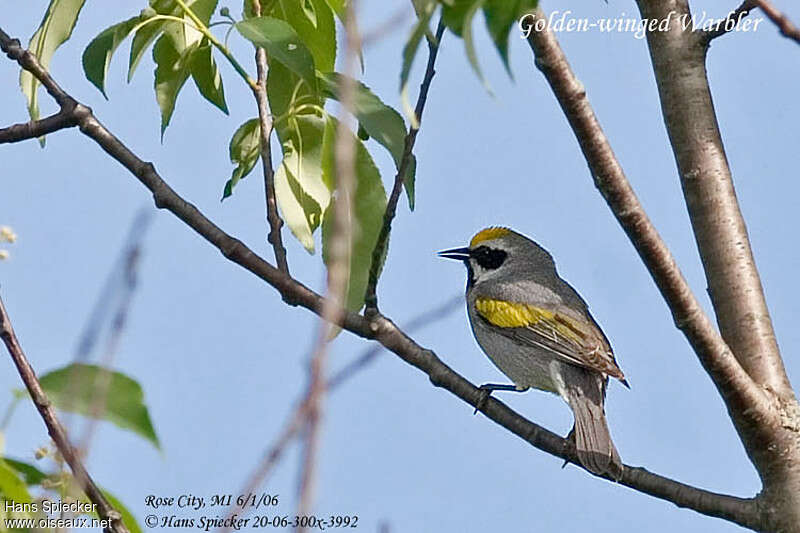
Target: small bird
{"points": [[538, 331]]}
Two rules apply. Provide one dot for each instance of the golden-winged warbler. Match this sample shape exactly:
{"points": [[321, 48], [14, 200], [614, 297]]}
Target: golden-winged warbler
{"points": [[538, 331]]}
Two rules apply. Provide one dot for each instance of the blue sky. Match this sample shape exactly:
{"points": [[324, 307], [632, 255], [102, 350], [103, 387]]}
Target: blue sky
{"points": [[221, 359]]}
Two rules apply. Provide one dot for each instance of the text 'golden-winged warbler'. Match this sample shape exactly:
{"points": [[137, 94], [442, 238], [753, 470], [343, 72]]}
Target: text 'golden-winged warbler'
{"points": [[539, 333]]}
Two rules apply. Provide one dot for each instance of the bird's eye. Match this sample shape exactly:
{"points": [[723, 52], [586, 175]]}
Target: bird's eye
{"points": [[489, 258]]}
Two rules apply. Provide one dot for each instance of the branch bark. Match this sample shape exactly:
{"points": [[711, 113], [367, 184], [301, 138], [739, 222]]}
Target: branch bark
{"points": [[743, 511], [265, 120], [783, 23], [54, 427], [37, 128], [772, 438]]}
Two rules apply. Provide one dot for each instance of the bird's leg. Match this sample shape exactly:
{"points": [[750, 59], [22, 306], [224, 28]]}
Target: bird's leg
{"points": [[488, 388]]}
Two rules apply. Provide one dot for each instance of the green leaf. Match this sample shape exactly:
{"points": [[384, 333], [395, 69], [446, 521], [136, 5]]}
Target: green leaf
{"points": [[469, 43], [79, 388], [310, 11], [501, 15], [282, 43], [380, 121], [412, 45], [337, 6], [55, 28], [183, 35], [12, 487], [295, 206], [300, 189], [319, 38], [454, 14], [303, 149], [30, 474], [97, 56], [244, 149], [206, 76], [127, 516], [368, 207], [143, 38], [172, 71]]}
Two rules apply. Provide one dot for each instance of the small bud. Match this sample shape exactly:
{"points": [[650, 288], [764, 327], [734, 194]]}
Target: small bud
{"points": [[41, 453], [3, 255], [7, 234], [224, 12], [147, 13]]}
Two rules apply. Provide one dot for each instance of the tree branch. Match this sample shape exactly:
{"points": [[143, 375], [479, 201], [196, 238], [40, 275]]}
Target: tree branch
{"points": [[54, 427], [371, 297], [37, 128], [265, 119], [739, 510], [730, 21], [770, 428], [783, 23]]}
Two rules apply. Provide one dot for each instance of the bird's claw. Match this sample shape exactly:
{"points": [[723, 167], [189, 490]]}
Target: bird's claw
{"points": [[485, 392]]}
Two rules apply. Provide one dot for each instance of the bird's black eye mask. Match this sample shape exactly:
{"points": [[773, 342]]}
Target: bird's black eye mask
{"points": [[488, 258]]}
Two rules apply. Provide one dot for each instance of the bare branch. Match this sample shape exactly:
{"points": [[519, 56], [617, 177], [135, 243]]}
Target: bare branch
{"points": [[371, 297], [54, 427], [293, 425], [37, 128], [783, 23], [265, 120], [730, 379], [739, 510], [126, 274], [730, 21]]}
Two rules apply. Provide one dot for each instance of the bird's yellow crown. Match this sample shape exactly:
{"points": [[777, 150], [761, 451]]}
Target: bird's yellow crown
{"points": [[494, 232]]}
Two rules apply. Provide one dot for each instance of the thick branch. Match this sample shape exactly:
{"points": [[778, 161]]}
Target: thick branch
{"points": [[265, 120], [371, 297], [771, 438], [54, 427], [739, 510], [735, 386], [678, 58]]}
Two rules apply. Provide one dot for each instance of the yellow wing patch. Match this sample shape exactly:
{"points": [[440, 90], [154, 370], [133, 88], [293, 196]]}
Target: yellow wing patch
{"points": [[517, 315], [487, 235]]}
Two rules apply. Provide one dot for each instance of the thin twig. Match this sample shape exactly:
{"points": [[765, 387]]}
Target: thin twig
{"points": [[783, 23], [371, 296], [54, 427], [127, 273], [265, 119], [339, 257], [275, 451], [730, 21], [741, 511]]}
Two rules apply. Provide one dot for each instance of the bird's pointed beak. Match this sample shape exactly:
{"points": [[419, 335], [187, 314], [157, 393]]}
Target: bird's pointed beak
{"points": [[459, 254]]}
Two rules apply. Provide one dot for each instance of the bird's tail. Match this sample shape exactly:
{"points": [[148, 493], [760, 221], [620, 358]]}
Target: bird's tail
{"points": [[596, 450]]}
